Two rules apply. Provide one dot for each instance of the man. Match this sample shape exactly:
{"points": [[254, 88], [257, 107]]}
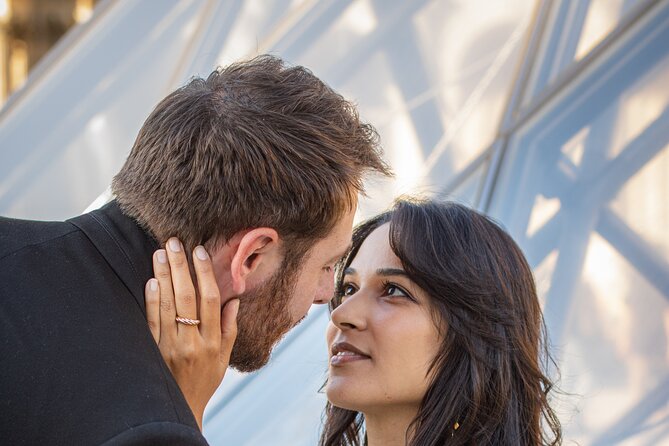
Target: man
{"points": [[262, 164]]}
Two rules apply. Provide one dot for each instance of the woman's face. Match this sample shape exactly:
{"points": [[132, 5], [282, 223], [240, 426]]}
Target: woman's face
{"points": [[382, 338]]}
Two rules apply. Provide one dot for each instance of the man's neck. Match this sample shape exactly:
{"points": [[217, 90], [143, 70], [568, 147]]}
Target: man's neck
{"points": [[389, 427]]}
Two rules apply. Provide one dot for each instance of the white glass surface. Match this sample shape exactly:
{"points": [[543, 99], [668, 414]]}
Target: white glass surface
{"points": [[573, 29], [68, 131], [469, 190], [432, 76], [584, 190]]}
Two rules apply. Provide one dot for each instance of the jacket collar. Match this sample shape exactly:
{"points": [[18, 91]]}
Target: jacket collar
{"points": [[124, 244]]}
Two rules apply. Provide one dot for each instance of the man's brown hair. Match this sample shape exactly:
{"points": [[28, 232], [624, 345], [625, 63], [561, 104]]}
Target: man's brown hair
{"points": [[257, 143]]}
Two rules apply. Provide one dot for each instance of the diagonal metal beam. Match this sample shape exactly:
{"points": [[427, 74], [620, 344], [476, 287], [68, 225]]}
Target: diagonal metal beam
{"points": [[405, 52], [575, 236], [642, 256], [375, 40], [565, 29], [605, 185], [628, 424], [303, 35], [525, 67]]}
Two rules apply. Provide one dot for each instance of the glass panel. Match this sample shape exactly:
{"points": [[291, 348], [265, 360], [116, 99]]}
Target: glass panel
{"points": [[641, 204], [468, 191], [600, 19], [574, 28], [432, 76], [584, 188], [615, 352], [281, 404], [69, 130]]}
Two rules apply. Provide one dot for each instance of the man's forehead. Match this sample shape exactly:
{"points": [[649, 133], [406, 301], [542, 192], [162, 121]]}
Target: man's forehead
{"points": [[336, 245], [339, 253]]}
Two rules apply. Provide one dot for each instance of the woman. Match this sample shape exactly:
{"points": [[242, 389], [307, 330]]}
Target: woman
{"points": [[436, 336]]}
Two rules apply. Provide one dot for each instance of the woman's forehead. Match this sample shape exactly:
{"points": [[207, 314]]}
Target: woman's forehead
{"points": [[375, 252]]}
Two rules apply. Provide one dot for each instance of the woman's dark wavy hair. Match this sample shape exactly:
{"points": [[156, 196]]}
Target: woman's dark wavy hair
{"points": [[488, 375]]}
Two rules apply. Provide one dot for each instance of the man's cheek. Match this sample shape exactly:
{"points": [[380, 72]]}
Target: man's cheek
{"points": [[301, 306]]}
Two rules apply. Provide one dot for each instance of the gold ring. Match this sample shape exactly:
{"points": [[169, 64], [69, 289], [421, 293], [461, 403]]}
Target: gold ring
{"points": [[186, 321]]}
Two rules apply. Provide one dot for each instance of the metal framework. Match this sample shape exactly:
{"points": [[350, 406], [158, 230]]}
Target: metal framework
{"points": [[587, 211]]}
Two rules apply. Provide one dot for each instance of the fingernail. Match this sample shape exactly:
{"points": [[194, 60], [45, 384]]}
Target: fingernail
{"points": [[174, 245], [162, 256], [201, 253], [153, 285]]}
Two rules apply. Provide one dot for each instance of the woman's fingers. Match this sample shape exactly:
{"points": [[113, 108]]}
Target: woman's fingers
{"points": [[184, 291], [198, 359], [210, 297], [228, 330], [152, 298], [168, 312]]}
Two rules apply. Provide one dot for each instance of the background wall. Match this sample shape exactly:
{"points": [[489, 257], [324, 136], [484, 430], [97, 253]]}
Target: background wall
{"points": [[550, 115]]}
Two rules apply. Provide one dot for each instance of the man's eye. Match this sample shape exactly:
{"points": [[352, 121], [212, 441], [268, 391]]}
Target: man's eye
{"points": [[327, 269]]}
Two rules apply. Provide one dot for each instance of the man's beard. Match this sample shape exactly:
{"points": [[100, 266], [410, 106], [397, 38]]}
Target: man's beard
{"points": [[264, 317]]}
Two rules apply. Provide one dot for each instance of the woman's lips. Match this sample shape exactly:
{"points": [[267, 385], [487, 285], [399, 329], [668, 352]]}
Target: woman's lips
{"points": [[343, 353], [346, 357]]}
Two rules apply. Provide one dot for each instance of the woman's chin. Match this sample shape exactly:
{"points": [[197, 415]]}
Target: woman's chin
{"points": [[342, 396], [348, 405]]}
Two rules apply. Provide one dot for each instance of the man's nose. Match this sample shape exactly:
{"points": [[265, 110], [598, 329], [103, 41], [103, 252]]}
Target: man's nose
{"points": [[326, 290]]}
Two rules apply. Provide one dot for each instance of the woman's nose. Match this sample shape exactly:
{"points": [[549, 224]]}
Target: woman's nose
{"points": [[351, 313]]}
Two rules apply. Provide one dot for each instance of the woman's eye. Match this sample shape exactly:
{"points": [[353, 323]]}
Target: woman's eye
{"points": [[394, 290], [348, 290]]}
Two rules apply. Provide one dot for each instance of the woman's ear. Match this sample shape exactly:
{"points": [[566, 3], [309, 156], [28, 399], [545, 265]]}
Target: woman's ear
{"points": [[254, 248]]}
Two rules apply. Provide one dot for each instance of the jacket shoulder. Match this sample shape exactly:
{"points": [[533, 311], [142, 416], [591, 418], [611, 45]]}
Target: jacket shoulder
{"points": [[158, 433], [16, 234]]}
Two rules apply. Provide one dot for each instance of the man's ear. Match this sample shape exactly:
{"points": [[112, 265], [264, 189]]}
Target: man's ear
{"points": [[254, 248]]}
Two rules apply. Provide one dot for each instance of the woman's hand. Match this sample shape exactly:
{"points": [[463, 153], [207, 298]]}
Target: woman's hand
{"points": [[197, 355]]}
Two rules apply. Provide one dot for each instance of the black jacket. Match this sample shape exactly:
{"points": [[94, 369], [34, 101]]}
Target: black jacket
{"points": [[78, 364]]}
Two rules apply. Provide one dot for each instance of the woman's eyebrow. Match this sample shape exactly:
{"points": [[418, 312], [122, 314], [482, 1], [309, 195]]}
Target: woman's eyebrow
{"points": [[350, 271], [391, 272], [381, 272]]}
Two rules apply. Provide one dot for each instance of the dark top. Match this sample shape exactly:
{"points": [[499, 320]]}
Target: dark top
{"points": [[78, 363]]}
